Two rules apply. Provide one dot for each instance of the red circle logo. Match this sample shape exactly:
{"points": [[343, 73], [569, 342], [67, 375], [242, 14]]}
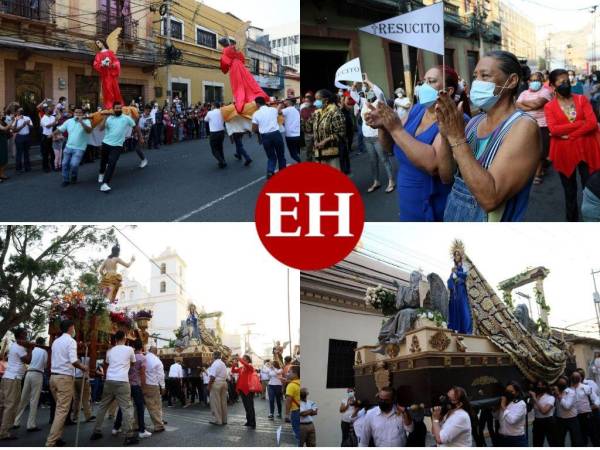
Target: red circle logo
{"points": [[309, 216]]}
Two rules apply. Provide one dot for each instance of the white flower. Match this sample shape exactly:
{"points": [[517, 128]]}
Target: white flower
{"points": [[444, 325], [429, 315]]}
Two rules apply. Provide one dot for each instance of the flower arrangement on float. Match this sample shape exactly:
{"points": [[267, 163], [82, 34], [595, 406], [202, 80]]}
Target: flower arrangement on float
{"points": [[381, 299]]}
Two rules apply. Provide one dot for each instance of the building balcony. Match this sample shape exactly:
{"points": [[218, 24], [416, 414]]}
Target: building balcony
{"points": [[35, 10], [105, 24]]}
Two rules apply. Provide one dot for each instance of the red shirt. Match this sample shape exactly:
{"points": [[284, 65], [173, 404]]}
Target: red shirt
{"points": [[245, 372], [583, 142]]}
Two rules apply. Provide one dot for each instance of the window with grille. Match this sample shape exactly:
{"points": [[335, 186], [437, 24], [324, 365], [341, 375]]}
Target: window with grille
{"points": [[176, 28], [163, 268], [340, 362], [206, 38], [163, 286]]}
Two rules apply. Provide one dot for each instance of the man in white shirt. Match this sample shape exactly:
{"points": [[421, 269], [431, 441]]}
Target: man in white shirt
{"points": [[175, 383], [566, 413], [216, 126], [596, 368], [155, 383], [265, 377], [308, 409], [21, 127], [32, 385], [347, 410], [217, 387], [116, 387], [387, 424], [10, 387], [62, 368], [264, 122], [291, 122], [585, 399], [47, 122]]}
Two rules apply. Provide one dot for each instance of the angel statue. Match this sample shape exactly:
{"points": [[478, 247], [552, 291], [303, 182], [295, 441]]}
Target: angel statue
{"points": [[109, 68], [111, 280], [459, 313], [278, 351], [244, 86]]}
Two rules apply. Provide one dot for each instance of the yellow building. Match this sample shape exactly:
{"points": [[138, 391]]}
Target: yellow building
{"points": [[518, 33], [47, 49], [195, 31]]}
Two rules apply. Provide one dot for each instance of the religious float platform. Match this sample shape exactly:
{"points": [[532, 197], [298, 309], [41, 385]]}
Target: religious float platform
{"points": [[421, 358]]}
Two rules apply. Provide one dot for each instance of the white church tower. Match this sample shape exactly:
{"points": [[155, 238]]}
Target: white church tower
{"points": [[168, 299]]}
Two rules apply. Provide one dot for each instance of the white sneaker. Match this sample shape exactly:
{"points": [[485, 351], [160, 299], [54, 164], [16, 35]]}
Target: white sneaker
{"points": [[105, 187], [115, 432], [100, 178], [145, 434], [144, 163]]}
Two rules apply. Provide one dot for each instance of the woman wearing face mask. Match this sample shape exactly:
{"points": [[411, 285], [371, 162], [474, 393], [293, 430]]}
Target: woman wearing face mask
{"points": [[454, 428], [573, 138], [566, 414], [497, 153], [424, 160], [532, 101], [328, 127], [544, 424], [576, 85], [512, 417]]}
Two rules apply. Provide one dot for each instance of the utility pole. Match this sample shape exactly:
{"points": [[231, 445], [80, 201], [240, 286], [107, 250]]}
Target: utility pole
{"points": [[289, 318], [596, 297], [169, 44], [406, 57], [593, 11]]}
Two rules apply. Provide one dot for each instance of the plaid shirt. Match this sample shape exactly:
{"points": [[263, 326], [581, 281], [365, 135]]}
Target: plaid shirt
{"points": [[328, 122]]}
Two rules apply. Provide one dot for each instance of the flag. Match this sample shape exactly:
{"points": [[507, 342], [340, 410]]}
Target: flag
{"points": [[423, 28], [349, 71]]}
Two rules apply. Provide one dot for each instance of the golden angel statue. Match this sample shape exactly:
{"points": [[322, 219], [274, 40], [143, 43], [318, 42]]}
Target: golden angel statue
{"points": [[111, 280]]}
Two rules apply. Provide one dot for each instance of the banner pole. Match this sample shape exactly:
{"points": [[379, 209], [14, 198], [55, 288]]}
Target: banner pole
{"points": [[444, 71]]}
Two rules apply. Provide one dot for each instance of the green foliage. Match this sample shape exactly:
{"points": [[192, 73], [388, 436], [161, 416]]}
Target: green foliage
{"points": [[507, 297], [39, 263]]}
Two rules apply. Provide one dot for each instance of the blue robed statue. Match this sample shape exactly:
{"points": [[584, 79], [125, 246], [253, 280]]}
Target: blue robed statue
{"points": [[459, 313]]}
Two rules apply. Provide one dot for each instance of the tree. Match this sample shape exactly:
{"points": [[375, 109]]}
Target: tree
{"points": [[38, 263]]}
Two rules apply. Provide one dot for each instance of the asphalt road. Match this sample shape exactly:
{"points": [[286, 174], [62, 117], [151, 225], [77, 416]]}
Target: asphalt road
{"points": [[181, 183], [546, 201], [185, 428]]}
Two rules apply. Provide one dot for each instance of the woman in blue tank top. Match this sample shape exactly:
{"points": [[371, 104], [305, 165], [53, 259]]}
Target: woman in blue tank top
{"points": [[425, 166], [496, 155]]}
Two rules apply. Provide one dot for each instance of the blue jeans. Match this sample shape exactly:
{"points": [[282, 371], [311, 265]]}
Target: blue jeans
{"points": [[239, 146], [462, 206], [293, 145], [22, 144], [361, 139], [275, 394], [138, 404], [275, 150], [295, 419], [590, 206], [70, 163]]}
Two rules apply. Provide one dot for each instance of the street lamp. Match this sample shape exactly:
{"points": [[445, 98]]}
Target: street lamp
{"points": [[596, 298]]}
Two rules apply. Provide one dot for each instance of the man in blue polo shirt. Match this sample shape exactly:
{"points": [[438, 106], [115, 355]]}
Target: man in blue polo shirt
{"points": [[78, 130], [116, 128]]}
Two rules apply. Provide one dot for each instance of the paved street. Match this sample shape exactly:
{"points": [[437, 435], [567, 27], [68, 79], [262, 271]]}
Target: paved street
{"points": [[185, 428], [546, 202], [181, 183]]}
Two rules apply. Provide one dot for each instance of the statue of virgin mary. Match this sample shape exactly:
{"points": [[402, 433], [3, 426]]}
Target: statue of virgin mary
{"points": [[459, 314]]}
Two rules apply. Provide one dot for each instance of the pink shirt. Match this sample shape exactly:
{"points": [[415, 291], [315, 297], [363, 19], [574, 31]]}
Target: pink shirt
{"points": [[537, 114]]}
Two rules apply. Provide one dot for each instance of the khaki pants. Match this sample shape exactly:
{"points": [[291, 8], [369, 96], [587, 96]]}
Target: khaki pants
{"points": [[86, 400], [308, 436], [10, 396], [61, 387], [112, 409], [153, 404], [32, 387], [121, 392], [265, 384], [218, 401]]}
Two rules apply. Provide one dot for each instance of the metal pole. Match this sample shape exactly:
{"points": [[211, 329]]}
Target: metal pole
{"points": [[406, 60], [596, 298], [289, 320], [169, 44]]}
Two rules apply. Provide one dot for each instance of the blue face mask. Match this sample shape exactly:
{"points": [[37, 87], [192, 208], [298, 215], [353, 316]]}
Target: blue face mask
{"points": [[482, 94], [535, 85], [427, 95], [318, 103]]}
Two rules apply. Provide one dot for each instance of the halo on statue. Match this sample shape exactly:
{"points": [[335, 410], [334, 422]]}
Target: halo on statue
{"points": [[457, 246]]}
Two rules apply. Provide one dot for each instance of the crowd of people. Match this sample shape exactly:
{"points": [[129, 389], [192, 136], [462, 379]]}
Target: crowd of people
{"points": [[569, 407], [129, 381], [67, 138], [467, 153]]}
